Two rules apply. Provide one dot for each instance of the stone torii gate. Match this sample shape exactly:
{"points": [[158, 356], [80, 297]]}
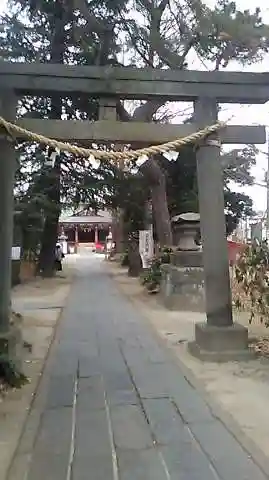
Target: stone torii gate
{"points": [[205, 89]]}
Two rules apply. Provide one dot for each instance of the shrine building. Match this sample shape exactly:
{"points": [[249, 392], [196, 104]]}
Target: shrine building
{"points": [[85, 229]]}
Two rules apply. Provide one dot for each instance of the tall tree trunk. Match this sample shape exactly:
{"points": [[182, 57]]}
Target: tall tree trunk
{"points": [[118, 230], [156, 178], [50, 230], [134, 259], [153, 172]]}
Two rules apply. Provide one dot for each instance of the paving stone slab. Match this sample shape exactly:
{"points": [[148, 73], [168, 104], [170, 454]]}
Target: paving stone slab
{"points": [[155, 353], [167, 379], [130, 429], [111, 357], [117, 381], [48, 466], [64, 365], [77, 331], [61, 391], [190, 404], [90, 394], [122, 397], [54, 436], [226, 454], [89, 346], [149, 381], [89, 365], [180, 451], [141, 465], [92, 434], [97, 468], [187, 460], [65, 360], [134, 355], [165, 421], [127, 339]]}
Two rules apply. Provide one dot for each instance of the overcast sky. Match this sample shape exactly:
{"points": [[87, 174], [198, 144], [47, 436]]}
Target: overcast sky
{"points": [[244, 114]]}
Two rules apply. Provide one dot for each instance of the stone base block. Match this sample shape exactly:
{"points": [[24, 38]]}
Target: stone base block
{"points": [[184, 303], [220, 344], [11, 346], [182, 289], [187, 259]]}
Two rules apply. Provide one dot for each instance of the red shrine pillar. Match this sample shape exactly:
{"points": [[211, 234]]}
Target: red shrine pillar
{"points": [[96, 237]]}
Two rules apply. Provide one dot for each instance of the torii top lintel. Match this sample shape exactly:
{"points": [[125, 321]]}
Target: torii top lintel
{"points": [[133, 83]]}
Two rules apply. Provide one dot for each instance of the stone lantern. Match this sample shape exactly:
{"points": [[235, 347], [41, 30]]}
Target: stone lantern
{"points": [[186, 227], [183, 279]]}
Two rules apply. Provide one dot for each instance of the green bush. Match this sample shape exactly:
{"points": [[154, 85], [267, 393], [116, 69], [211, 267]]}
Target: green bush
{"points": [[165, 255], [152, 278], [9, 375]]}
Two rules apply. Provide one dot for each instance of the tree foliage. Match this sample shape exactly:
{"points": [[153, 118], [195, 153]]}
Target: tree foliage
{"points": [[59, 32], [182, 188]]}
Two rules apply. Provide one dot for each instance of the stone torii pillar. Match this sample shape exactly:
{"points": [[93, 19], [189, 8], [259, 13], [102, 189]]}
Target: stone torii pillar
{"points": [[219, 338], [9, 335]]}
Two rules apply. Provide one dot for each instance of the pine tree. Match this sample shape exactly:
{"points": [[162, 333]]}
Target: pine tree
{"points": [[182, 189]]}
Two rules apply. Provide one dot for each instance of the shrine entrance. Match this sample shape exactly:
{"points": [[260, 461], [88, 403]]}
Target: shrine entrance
{"points": [[85, 229], [206, 90]]}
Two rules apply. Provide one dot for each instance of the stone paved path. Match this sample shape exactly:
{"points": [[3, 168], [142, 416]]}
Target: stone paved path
{"points": [[118, 408]]}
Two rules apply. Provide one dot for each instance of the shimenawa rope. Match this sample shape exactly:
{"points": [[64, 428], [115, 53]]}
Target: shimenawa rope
{"points": [[12, 129]]}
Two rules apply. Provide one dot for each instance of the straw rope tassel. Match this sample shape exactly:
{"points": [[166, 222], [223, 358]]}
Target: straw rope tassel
{"points": [[14, 129]]}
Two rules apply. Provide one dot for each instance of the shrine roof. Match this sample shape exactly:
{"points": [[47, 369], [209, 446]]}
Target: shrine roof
{"points": [[92, 219]]}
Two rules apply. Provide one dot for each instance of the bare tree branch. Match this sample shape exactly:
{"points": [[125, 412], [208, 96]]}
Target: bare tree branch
{"points": [[146, 111], [93, 23]]}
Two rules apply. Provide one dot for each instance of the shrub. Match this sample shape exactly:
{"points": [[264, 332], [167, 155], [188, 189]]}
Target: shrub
{"points": [[152, 278], [252, 277], [165, 254]]}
